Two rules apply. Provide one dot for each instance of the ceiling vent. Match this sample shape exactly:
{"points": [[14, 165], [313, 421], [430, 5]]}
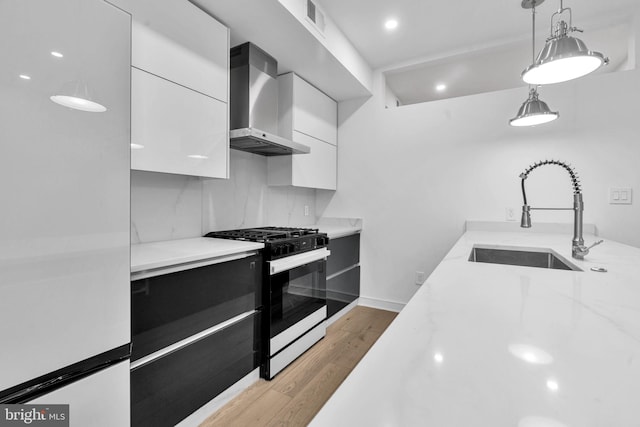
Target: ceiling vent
{"points": [[316, 16]]}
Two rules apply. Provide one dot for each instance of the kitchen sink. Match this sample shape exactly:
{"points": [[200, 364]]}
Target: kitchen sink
{"points": [[525, 257]]}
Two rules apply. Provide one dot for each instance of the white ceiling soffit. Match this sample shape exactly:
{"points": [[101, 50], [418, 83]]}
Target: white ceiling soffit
{"points": [[431, 29], [497, 68], [269, 25]]}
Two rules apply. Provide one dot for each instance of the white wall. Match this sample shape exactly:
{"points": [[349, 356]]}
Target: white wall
{"points": [[168, 207], [416, 173]]}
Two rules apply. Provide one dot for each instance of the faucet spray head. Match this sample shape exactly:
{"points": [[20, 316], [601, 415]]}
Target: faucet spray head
{"points": [[525, 221]]}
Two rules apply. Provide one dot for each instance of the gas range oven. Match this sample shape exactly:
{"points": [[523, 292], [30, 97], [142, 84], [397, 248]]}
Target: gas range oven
{"points": [[294, 309]]}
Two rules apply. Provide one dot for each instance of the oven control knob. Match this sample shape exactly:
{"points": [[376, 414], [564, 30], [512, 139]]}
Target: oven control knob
{"points": [[276, 250], [288, 248]]}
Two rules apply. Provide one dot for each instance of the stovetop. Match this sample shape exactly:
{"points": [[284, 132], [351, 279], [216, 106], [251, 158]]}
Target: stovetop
{"points": [[279, 241], [264, 234]]}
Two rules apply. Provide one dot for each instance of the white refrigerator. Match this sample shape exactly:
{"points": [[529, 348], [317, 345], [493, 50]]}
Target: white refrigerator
{"points": [[64, 207]]}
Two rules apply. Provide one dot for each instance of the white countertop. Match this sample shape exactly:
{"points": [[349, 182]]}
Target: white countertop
{"points": [[336, 227], [337, 231], [448, 359], [148, 256]]}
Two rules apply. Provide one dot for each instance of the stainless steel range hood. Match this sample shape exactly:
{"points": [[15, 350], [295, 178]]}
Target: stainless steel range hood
{"points": [[253, 105]]}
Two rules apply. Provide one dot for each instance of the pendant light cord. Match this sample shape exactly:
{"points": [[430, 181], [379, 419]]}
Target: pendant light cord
{"points": [[533, 35], [533, 31]]}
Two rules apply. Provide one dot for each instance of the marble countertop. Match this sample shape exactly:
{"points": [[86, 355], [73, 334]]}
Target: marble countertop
{"points": [[149, 256], [337, 231], [497, 345], [336, 227]]}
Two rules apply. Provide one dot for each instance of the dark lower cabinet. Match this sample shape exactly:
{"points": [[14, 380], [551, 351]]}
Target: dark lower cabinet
{"points": [[182, 355], [343, 273], [342, 290], [172, 387], [345, 253], [170, 307]]}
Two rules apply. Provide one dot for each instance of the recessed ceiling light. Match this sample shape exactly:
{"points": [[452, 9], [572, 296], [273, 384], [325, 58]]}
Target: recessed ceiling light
{"points": [[440, 87], [25, 77], [391, 24], [56, 54], [197, 156], [135, 146]]}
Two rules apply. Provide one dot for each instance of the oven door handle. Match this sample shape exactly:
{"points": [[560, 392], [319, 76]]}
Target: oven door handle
{"points": [[293, 261]]}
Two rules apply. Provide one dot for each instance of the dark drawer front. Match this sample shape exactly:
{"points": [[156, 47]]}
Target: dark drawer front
{"points": [[166, 309], [342, 290], [170, 388], [345, 252]]}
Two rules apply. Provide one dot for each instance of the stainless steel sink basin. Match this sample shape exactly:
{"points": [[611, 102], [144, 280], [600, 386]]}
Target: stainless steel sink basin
{"points": [[525, 257]]}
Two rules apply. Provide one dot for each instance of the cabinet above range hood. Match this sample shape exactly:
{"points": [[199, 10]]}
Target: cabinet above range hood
{"points": [[253, 105]]}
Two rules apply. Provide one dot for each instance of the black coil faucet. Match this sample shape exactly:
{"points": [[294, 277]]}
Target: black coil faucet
{"points": [[578, 249]]}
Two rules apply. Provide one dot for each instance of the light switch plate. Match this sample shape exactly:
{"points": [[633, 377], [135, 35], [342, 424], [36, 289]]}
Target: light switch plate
{"points": [[620, 195]]}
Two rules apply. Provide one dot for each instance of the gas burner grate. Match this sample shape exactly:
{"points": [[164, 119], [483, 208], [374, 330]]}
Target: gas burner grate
{"points": [[263, 234]]}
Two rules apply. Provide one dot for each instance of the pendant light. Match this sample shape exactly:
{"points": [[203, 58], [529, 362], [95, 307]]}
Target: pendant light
{"points": [[533, 111], [77, 95], [563, 57]]}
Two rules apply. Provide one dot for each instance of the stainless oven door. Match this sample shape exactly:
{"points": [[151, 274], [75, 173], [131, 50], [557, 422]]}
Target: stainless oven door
{"points": [[297, 296]]}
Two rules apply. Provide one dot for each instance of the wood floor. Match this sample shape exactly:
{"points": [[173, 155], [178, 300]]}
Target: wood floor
{"points": [[295, 395]]}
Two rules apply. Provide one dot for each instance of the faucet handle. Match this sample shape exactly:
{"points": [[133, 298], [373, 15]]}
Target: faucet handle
{"points": [[579, 251], [595, 244]]}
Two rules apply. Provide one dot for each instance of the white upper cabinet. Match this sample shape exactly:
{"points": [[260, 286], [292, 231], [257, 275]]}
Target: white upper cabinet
{"points": [[314, 170], [181, 43], [312, 112], [176, 130], [180, 89], [308, 116]]}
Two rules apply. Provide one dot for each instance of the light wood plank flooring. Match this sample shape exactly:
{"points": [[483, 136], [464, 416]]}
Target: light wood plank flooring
{"points": [[295, 395]]}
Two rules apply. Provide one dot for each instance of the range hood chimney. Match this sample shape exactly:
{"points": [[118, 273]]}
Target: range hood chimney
{"points": [[253, 105]]}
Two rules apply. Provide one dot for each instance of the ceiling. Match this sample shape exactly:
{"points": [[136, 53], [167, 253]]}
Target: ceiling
{"points": [[480, 46], [432, 29], [274, 29], [492, 69]]}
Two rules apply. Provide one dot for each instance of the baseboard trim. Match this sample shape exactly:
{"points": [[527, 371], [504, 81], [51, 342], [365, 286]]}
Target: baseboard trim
{"points": [[205, 411], [381, 304]]}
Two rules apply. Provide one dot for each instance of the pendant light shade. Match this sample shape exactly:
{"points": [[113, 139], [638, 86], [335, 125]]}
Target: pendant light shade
{"points": [[533, 112], [78, 103], [77, 95], [563, 57]]}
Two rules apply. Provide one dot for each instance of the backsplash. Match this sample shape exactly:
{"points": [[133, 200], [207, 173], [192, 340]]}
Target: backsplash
{"points": [[164, 206], [168, 207]]}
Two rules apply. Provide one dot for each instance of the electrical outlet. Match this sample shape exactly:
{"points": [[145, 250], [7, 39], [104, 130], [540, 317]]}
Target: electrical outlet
{"points": [[306, 210], [420, 277], [510, 214]]}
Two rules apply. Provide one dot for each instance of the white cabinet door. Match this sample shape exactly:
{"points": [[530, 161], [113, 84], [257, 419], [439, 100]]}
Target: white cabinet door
{"points": [[314, 113], [309, 117], [64, 181], [99, 400], [318, 170], [176, 130], [178, 41], [314, 170]]}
